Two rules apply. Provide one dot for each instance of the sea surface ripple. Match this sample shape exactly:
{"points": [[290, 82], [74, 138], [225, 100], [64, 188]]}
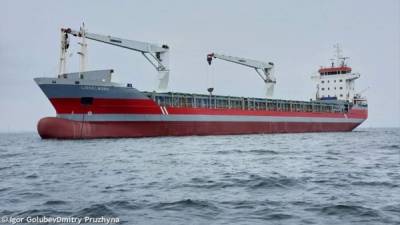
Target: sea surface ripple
{"points": [[313, 178]]}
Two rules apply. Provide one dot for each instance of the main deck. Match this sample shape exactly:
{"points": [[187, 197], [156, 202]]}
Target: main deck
{"points": [[187, 100]]}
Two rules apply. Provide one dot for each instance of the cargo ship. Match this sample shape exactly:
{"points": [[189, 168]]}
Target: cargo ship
{"points": [[89, 104]]}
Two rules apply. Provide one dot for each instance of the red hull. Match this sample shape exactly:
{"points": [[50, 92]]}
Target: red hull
{"points": [[51, 127]]}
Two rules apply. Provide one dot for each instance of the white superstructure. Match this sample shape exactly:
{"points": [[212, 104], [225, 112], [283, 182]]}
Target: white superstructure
{"points": [[336, 82]]}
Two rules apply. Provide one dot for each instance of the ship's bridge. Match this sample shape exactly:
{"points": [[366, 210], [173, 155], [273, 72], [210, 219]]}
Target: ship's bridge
{"points": [[334, 70], [336, 82]]}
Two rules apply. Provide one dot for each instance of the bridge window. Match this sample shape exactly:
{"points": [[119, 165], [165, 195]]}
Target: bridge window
{"points": [[341, 88], [333, 73], [340, 80]]}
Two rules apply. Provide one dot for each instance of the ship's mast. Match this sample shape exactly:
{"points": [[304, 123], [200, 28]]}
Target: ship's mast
{"points": [[83, 52], [338, 53], [63, 53], [340, 59]]}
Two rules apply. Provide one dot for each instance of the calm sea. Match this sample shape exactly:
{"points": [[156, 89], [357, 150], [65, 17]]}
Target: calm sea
{"points": [[314, 178]]}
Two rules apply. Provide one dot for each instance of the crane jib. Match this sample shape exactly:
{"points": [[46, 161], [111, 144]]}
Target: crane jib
{"points": [[263, 69]]}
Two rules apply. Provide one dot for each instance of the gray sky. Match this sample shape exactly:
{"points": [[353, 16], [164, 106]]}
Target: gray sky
{"points": [[296, 35]]}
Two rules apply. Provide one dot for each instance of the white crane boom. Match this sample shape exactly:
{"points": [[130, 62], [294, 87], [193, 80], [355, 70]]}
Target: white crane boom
{"points": [[157, 55], [266, 73], [243, 61], [129, 44]]}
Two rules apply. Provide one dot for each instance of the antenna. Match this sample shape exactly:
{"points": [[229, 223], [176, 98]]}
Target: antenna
{"points": [[340, 59], [338, 51]]}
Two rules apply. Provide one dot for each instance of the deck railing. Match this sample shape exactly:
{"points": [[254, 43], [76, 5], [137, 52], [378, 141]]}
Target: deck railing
{"points": [[184, 100]]}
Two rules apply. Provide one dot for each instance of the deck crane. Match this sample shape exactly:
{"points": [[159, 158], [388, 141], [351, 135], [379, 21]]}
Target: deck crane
{"points": [[263, 69], [157, 55]]}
